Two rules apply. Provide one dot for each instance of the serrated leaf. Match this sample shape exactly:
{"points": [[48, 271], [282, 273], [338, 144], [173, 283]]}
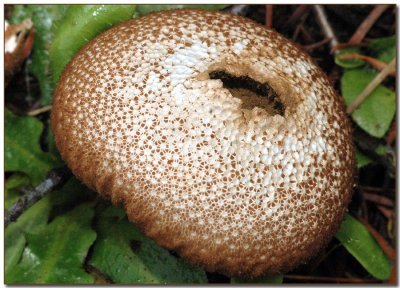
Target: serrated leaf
{"points": [[55, 253], [22, 150], [277, 279], [358, 241], [384, 49], [376, 113], [43, 17], [80, 24], [144, 9], [348, 63], [125, 255], [12, 188]]}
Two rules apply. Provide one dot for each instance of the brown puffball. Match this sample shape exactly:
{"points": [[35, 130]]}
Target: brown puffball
{"points": [[222, 140]]}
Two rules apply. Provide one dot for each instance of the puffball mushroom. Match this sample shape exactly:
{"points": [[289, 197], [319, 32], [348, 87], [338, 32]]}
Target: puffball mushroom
{"points": [[222, 139]]}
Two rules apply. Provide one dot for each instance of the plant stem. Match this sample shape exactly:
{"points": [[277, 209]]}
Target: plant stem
{"points": [[55, 178], [326, 27], [371, 86]]}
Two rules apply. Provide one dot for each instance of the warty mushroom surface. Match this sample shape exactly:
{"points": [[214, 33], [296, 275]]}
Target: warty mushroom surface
{"points": [[222, 139]]}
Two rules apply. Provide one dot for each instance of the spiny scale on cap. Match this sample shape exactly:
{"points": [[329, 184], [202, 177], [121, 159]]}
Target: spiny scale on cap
{"points": [[239, 191]]}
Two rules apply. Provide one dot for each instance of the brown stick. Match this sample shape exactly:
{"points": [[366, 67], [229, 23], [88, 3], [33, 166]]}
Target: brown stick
{"points": [[300, 11], [391, 135], [377, 64], [381, 200], [388, 213], [393, 275], [366, 25], [316, 45], [389, 251], [371, 86], [268, 15]]}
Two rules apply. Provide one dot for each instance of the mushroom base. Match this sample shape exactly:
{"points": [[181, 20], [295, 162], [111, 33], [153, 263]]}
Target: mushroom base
{"points": [[251, 92]]}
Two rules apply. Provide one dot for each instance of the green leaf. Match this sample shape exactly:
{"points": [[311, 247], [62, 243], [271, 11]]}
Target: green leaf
{"points": [[55, 253], [362, 159], [22, 150], [12, 187], [348, 63], [14, 245], [277, 279], [375, 114], [144, 9], [43, 17], [384, 49], [80, 25], [358, 241], [34, 218], [125, 255], [37, 216]]}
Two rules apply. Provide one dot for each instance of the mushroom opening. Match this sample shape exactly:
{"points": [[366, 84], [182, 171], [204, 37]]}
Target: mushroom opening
{"points": [[251, 92]]}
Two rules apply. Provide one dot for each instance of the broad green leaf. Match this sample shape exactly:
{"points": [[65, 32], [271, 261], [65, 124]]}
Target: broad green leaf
{"points": [[384, 49], [56, 253], [22, 150], [37, 216], [125, 255], [14, 245], [81, 24], [33, 219], [12, 187], [43, 17], [277, 279], [348, 63], [376, 113], [358, 241], [144, 9]]}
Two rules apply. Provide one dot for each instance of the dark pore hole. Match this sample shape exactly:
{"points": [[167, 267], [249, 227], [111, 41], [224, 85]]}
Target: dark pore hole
{"points": [[251, 92]]}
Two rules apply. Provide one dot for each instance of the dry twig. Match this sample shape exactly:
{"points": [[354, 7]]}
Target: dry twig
{"points": [[378, 199], [268, 15], [298, 13], [316, 45], [389, 251], [366, 25], [55, 178], [39, 111], [371, 86], [326, 27], [391, 135], [388, 213], [377, 64]]}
